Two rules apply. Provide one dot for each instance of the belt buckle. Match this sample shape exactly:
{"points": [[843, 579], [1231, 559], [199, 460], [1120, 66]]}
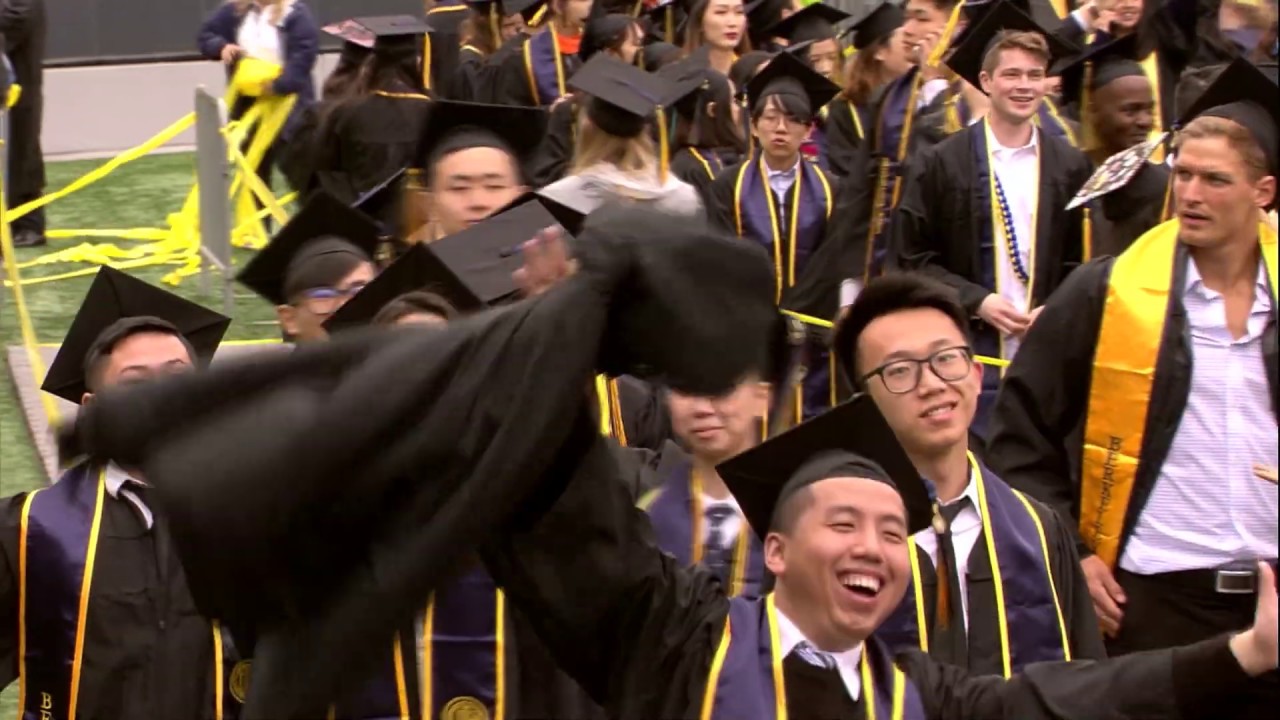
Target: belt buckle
{"points": [[1233, 582]]}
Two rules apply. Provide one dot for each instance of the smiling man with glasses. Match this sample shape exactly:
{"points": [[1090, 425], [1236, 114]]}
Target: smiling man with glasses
{"points": [[905, 342]]}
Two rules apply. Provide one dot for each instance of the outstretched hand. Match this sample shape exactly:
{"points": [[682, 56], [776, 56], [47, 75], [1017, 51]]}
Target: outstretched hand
{"points": [[1256, 648], [546, 262]]}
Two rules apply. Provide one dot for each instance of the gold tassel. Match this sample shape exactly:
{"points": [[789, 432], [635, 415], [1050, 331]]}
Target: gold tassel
{"points": [[662, 145], [426, 61], [944, 40], [951, 125], [1087, 250], [669, 23], [538, 16]]}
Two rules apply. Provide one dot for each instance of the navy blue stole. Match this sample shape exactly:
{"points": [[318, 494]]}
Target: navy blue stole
{"points": [[546, 69], [747, 676], [463, 666], [789, 236], [892, 142], [58, 539], [1026, 600], [675, 512]]}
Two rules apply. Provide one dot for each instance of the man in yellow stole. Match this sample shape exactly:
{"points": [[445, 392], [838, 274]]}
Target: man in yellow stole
{"points": [[1162, 364]]}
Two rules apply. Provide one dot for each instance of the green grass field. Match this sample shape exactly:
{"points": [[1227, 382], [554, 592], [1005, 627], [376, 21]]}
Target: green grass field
{"points": [[141, 194]]}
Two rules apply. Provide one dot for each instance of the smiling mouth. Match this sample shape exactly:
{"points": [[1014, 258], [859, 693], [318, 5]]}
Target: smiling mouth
{"points": [[939, 409], [862, 584]]}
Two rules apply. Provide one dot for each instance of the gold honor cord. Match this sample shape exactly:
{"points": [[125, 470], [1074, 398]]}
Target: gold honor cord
{"points": [[1006, 229]]}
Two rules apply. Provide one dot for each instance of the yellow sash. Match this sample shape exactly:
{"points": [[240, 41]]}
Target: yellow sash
{"points": [[1124, 366]]}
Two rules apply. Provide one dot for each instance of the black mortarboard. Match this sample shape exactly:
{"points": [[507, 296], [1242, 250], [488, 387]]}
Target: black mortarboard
{"points": [[395, 36], [762, 15], [382, 203], [1100, 64], [112, 297], [666, 21], [311, 250], [877, 25], [815, 22], [601, 32], [415, 269], [1116, 171], [691, 76], [966, 57], [453, 126], [1245, 94], [357, 42], [569, 208], [657, 55], [473, 268], [447, 19], [850, 440], [1039, 10], [787, 75], [622, 96]]}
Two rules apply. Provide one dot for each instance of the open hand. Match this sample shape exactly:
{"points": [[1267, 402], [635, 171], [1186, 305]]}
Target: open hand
{"points": [[546, 262], [1108, 596], [1000, 314], [230, 52], [1256, 648]]}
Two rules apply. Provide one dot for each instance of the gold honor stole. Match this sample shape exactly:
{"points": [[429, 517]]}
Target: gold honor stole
{"points": [[58, 535], [1124, 365], [610, 404]]}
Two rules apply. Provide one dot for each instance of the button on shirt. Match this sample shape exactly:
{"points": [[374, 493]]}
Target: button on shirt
{"points": [[789, 636], [965, 530], [118, 486], [1018, 170], [1208, 508]]}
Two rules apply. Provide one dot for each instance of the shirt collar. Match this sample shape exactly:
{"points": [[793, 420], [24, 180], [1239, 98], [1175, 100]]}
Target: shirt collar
{"points": [[116, 478], [996, 147], [784, 173], [1195, 284], [789, 636]]}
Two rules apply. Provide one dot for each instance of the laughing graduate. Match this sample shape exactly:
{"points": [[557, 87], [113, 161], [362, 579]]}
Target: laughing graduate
{"points": [[96, 620], [984, 211], [775, 197]]}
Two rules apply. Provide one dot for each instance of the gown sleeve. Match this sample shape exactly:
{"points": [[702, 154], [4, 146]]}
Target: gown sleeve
{"points": [[1183, 682], [9, 525], [632, 626], [842, 138], [719, 200], [918, 236], [1041, 403], [1083, 632], [551, 161], [509, 81]]}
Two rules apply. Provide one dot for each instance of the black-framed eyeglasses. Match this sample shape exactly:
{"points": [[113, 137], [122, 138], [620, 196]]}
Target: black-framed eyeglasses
{"points": [[951, 364]]}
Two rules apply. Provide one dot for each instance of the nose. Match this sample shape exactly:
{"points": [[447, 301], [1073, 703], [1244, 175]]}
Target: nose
{"points": [[1187, 193], [866, 546], [1145, 120]]}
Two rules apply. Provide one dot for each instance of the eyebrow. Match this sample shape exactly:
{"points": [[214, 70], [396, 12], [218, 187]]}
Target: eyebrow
{"points": [[938, 344], [136, 368], [482, 176]]}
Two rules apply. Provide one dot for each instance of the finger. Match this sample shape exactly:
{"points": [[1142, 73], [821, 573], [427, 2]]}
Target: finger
{"points": [[1107, 609], [1114, 591], [1109, 626], [1266, 581]]}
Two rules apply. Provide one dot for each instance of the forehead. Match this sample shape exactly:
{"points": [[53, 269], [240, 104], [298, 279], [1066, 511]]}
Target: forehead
{"points": [[148, 349], [922, 8], [907, 330], [1018, 58], [871, 498], [1206, 154], [476, 162], [724, 4], [1129, 88]]}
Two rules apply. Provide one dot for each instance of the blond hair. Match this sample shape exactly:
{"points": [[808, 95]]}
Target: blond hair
{"points": [[1237, 136], [633, 155], [1031, 43]]}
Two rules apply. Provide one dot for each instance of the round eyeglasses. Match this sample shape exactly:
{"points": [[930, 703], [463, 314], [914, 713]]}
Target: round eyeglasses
{"points": [[902, 376]]}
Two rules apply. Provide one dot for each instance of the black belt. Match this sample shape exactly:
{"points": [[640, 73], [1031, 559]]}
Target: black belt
{"points": [[1235, 579]]}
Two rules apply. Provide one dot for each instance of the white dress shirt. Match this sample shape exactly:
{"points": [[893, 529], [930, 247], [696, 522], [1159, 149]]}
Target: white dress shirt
{"points": [[1019, 172], [780, 181], [789, 636], [1208, 508], [965, 530], [117, 481], [259, 37], [732, 524], [929, 90]]}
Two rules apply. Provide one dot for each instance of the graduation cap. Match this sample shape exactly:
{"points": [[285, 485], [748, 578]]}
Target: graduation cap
{"points": [[453, 126], [1246, 95], [602, 31], [1117, 171], [1097, 65], [114, 296], [762, 15], [570, 209], [316, 244], [813, 23], [876, 25], [657, 55], [691, 76], [967, 56], [395, 36], [357, 41], [623, 97], [507, 8], [667, 21], [818, 449], [383, 202], [416, 269], [472, 268], [787, 75]]}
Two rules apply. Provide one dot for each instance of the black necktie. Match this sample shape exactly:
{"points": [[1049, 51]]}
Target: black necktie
{"points": [[949, 637]]}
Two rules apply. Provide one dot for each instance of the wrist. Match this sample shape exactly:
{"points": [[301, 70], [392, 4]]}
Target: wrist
{"points": [[1248, 652]]}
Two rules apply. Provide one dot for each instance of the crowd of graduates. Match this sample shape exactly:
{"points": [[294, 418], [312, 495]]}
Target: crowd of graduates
{"points": [[698, 360]]}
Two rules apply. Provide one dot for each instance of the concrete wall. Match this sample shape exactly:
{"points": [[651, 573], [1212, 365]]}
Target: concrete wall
{"points": [[100, 111]]}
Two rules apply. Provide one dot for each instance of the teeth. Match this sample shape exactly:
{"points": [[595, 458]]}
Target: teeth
{"points": [[939, 409], [864, 582]]}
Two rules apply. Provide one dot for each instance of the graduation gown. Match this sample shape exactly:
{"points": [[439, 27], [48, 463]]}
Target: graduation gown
{"points": [[700, 166], [551, 160], [1037, 426], [847, 127], [1035, 634], [638, 410], [23, 31], [1125, 213], [297, 155], [147, 652], [640, 631], [473, 71], [367, 141], [528, 75], [432, 424]]}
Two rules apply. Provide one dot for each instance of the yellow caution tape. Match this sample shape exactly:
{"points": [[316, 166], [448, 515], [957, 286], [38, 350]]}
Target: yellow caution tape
{"points": [[15, 94], [819, 322]]}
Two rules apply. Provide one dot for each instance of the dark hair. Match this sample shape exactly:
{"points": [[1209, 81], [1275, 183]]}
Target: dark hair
{"points": [[794, 106], [344, 74], [693, 29], [658, 55], [746, 67], [889, 294], [789, 509], [117, 332], [479, 33], [865, 74], [377, 72], [943, 5], [706, 130], [414, 302]]}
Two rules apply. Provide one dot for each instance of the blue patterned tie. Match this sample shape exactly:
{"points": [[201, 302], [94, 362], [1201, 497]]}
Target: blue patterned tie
{"points": [[716, 554], [814, 656]]}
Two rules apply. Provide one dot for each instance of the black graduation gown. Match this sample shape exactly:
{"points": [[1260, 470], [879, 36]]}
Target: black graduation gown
{"points": [[1128, 212], [643, 408], [701, 172], [399, 435], [936, 227], [296, 155], [23, 29], [147, 652], [639, 631], [551, 160], [363, 143], [510, 79], [1037, 424], [471, 76], [983, 658], [847, 127]]}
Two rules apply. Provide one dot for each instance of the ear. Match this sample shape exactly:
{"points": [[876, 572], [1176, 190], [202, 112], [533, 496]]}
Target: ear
{"points": [[775, 554], [287, 315], [760, 394], [86, 398], [711, 109], [985, 81], [1264, 191]]}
